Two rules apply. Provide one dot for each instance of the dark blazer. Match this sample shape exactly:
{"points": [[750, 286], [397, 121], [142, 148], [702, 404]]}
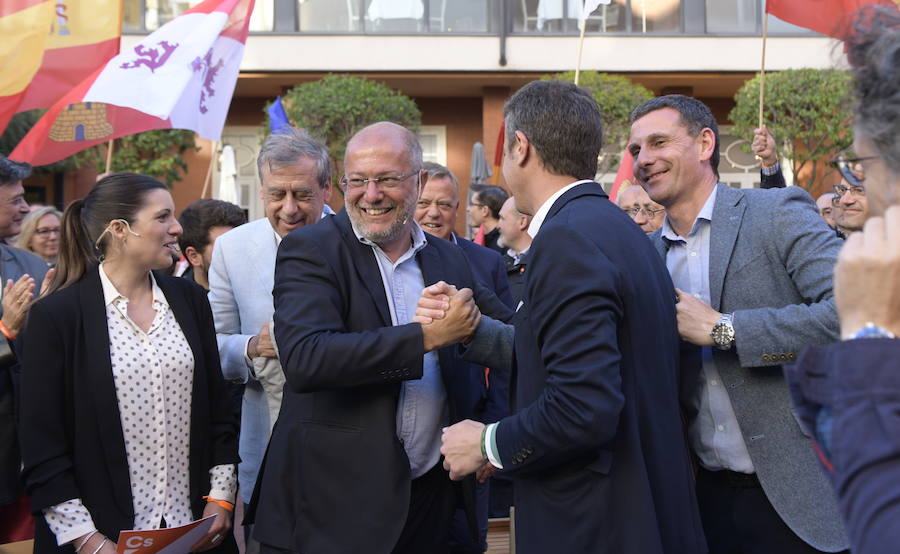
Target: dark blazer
{"points": [[848, 396], [597, 449], [487, 267], [14, 263], [515, 274], [774, 181], [72, 440], [336, 477]]}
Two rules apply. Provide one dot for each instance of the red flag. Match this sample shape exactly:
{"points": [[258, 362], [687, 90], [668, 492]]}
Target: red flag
{"points": [[498, 152], [181, 76], [829, 17], [624, 177]]}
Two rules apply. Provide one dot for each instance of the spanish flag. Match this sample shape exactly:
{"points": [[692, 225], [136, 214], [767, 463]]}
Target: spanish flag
{"points": [[50, 46], [181, 76]]}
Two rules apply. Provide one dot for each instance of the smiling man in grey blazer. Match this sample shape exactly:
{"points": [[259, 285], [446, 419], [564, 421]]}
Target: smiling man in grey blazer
{"points": [[752, 271], [295, 176]]}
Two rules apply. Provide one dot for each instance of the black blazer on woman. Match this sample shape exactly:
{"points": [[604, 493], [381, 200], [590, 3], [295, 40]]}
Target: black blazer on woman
{"points": [[71, 433]]}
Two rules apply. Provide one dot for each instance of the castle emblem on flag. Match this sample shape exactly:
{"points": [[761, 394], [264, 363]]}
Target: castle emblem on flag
{"points": [[210, 72], [81, 121], [151, 57]]}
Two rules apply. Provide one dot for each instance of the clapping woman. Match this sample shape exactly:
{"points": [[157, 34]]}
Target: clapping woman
{"points": [[124, 416]]}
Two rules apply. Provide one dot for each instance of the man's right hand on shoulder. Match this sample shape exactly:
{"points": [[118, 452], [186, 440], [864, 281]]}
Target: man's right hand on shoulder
{"points": [[448, 316], [261, 345]]}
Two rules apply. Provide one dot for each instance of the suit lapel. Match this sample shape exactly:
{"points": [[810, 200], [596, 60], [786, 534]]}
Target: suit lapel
{"points": [[728, 213], [363, 261], [100, 376], [262, 251], [430, 263]]}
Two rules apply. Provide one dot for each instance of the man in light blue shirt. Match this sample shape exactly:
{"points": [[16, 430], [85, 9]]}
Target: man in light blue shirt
{"points": [[752, 272]]}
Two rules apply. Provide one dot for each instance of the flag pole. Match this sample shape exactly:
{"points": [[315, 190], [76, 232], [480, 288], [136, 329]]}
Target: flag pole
{"points": [[209, 171], [580, 50], [109, 152], [762, 70]]}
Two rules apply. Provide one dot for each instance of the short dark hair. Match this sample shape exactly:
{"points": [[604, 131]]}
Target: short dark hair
{"points": [[695, 115], [874, 52], [562, 122], [204, 214], [493, 197], [12, 172]]}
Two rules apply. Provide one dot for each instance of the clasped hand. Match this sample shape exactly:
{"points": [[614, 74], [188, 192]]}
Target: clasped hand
{"points": [[447, 315]]}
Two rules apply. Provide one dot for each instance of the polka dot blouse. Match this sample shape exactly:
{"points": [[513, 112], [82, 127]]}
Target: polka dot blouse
{"points": [[153, 373]]}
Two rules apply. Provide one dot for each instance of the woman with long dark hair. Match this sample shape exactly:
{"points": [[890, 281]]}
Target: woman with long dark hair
{"points": [[124, 418]]}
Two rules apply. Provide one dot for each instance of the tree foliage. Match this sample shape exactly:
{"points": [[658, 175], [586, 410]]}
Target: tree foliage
{"points": [[332, 109], [156, 153], [16, 130], [617, 97], [808, 111]]}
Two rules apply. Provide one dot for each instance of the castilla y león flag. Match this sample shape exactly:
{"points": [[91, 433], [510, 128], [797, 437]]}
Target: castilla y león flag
{"points": [[829, 17], [49, 46], [181, 76]]}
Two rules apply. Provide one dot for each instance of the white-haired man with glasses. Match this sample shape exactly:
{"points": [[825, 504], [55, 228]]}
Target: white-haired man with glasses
{"points": [[635, 202], [354, 462]]}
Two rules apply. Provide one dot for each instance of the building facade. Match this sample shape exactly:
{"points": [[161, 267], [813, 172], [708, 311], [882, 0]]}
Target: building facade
{"points": [[460, 59]]}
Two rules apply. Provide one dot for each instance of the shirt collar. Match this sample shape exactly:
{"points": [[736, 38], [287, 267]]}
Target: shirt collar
{"points": [[111, 294], [705, 214], [418, 238], [539, 216], [326, 210]]}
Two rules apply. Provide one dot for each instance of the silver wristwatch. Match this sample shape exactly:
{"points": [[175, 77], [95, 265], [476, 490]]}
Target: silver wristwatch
{"points": [[723, 332]]}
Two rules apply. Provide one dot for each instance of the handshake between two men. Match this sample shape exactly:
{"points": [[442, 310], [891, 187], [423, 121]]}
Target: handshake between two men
{"points": [[450, 316]]}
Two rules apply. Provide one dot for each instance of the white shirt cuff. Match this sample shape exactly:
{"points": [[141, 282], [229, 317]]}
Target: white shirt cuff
{"points": [[69, 520], [490, 446], [223, 482]]}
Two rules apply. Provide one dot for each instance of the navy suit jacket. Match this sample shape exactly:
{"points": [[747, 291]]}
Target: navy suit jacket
{"points": [[848, 396], [488, 269], [597, 448], [336, 478]]}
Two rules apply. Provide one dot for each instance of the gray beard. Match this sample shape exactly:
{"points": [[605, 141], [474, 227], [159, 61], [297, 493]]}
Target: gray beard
{"points": [[400, 225]]}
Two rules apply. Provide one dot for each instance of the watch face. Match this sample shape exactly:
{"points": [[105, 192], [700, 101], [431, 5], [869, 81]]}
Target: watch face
{"points": [[723, 334]]}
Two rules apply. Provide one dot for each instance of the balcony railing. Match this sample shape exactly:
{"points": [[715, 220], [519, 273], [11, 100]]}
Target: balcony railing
{"points": [[483, 17]]}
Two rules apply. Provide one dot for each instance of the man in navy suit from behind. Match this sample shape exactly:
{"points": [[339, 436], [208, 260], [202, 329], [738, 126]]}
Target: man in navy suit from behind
{"points": [[596, 447]]}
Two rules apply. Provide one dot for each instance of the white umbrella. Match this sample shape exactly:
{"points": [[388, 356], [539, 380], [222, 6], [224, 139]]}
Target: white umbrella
{"points": [[227, 176]]}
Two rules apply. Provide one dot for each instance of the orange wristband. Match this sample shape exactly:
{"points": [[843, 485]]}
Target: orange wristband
{"points": [[6, 332], [223, 503]]}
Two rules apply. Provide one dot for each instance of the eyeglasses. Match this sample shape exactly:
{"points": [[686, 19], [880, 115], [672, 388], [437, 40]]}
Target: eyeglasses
{"points": [[648, 213], [851, 169], [46, 231], [841, 190], [382, 183]]}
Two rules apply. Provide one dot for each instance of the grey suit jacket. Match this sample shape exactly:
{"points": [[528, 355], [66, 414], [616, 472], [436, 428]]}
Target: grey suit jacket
{"points": [[241, 277], [771, 259], [15, 262]]}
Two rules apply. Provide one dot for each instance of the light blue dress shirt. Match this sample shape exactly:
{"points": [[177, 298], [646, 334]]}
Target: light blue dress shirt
{"points": [[422, 409], [715, 434]]}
